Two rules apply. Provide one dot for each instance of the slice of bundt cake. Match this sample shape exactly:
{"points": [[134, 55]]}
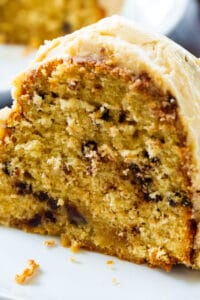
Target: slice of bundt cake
{"points": [[102, 145], [33, 21]]}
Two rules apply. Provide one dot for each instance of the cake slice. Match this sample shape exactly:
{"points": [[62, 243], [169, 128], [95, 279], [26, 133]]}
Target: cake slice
{"points": [[36, 21], [102, 145]]}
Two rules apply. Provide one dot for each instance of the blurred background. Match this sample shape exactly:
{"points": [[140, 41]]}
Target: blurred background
{"points": [[178, 19], [187, 31]]}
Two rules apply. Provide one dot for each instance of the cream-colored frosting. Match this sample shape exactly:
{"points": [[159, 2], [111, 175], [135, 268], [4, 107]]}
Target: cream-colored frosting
{"points": [[111, 6], [172, 68]]}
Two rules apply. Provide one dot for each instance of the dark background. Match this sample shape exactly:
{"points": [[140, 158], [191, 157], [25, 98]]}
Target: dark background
{"points": [[187, 33]]}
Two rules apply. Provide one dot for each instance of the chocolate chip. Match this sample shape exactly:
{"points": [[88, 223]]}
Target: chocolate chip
{"points": [[145, 154], [16, 172], [169, 106], [21, 185], [105, 113], [87, 147], [134, 168], [155, 160], [43, 196], [186, 202], [158, 198], [162, 140], [54, 95], [122, 116], [52, 203], [66, 27], [131, 122], [149, 198], [28, 175], [41, 94], [49, 216], [23, 188], [6, 167], [111, 187], [183, 198], [135, 230], [74, 216], [172, 203], [35, 221], [178, 194], [67, 169], [146, 181], [98, 86], [193, 225]]}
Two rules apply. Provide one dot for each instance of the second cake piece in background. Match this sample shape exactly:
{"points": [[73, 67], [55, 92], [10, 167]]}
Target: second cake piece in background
{"points": [[33, 21]]}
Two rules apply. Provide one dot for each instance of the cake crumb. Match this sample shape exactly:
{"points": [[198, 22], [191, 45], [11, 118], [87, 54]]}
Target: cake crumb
{"points": [[110, 262], [75, 247], [72, 259], [27, 272], [49, 243], [115, 281]]}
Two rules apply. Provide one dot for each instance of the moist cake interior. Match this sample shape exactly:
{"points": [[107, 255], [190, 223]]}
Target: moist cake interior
{"points": [[99, 156]]}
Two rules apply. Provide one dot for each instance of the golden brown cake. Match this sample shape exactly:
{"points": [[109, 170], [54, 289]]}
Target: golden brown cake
{"points": [[33, 21], [102, 145]]}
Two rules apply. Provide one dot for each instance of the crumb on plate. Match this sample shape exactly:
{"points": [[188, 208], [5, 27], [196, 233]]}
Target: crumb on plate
{"points": [[72, 259], [115, 281], [49, 243], [28, 272], [110, 262]]}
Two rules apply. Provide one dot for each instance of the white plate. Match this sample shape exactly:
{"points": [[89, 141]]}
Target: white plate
{"points": [[89, 277]]}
